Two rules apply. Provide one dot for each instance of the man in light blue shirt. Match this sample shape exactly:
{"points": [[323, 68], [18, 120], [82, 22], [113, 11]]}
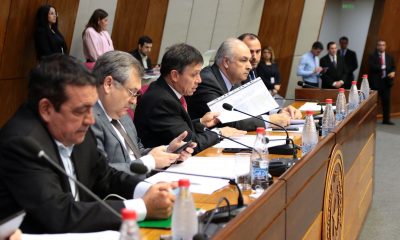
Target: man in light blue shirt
{"points": [[309, 67]]}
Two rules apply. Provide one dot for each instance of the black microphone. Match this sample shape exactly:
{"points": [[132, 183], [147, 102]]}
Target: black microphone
{"points": [[285, 149], [32, 145], [305, 85]]}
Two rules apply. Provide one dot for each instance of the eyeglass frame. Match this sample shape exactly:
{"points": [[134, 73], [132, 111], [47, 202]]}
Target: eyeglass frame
{"points": [[131, 93]]}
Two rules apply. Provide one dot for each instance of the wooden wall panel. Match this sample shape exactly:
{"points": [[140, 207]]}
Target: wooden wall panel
{"points": [[13, 93], [279, 27], [4, 12]]}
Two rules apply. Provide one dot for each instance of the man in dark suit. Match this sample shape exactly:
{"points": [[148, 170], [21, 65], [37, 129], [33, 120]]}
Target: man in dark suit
{"points": [[254, 45], [231, 68], [141, 53], [334, 74], [57, 117], [381, 77], [162, 110], [118, 76], [350, 61]]}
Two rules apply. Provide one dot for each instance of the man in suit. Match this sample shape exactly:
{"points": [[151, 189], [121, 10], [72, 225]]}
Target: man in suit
{"points": [[141, 53], [309, 68], [381, 77], [162, 110], [57, 117], [334, 74], [350, 61], [253, 43], [118, 76], [231, 68]]}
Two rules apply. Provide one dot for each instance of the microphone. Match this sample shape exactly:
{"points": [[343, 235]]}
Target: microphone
{"points": [[31, 145], [305, 85], [285, 149]]}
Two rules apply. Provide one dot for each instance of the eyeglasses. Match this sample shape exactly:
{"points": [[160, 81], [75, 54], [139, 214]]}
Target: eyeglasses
{"points": [[132, 94]]}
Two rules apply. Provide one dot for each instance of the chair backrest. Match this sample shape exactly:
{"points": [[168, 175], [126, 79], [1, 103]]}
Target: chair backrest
{"points": [[208, 57]]}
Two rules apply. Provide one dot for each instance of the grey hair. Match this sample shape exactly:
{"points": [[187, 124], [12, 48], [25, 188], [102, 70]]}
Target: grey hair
{"points": [[226, 50], [116, 64]]}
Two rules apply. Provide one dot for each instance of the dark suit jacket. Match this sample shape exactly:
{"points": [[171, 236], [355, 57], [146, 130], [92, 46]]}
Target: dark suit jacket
{"points": [[375, 72], [160, 117], [333, 73], [34, 185], [137, 55], [47, 43], [212, 87], [351, 63]]}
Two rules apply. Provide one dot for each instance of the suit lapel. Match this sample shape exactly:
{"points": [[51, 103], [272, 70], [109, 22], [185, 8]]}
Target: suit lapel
{"points": [[220, 79]]}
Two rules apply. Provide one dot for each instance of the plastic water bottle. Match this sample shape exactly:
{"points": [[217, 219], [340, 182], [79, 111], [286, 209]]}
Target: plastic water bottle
{"points": [[328, 119], [354, 99], [341, 107], [309, 134], [129, 228], [364, 87], [184, 217], [259, 162]]}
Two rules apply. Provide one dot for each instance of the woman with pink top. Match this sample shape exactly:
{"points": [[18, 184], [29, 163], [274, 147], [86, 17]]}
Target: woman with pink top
{"points": [[96, 39]]}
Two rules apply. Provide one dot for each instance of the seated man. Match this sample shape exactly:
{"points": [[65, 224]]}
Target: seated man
{"points": [[58, 116], [231, 68], [161, 111], [118, 76], [141, 53], [335, 75]]}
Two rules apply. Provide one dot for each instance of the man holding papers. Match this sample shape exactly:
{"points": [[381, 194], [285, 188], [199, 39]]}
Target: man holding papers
{"points": [[161, 113], [231, 68]]}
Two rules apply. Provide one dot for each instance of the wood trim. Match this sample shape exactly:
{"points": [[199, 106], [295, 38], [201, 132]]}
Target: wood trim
{"points": [[4, 14]]}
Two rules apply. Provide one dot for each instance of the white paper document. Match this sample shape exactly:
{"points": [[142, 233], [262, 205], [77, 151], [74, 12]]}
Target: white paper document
{"points": [[105, 235], [252, 97], [313, 106], [210, 166], [249, 141]]}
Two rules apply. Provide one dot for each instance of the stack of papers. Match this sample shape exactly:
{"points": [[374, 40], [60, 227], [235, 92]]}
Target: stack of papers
{"points": [[313, 106], [249, 141], [105, 235]]}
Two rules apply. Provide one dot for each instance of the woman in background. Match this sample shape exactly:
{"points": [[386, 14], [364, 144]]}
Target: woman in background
{"points": [[48, 40], [96, 39], [268, 70]]}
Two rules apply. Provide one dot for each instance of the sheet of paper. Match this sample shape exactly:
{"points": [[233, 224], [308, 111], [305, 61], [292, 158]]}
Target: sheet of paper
{"points": [[313, 106], [253, 98], [210, 166], [105, 235], [249, 141]]}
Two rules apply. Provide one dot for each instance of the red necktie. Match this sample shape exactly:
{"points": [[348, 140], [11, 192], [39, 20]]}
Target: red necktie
{"points": [[183, 103]]}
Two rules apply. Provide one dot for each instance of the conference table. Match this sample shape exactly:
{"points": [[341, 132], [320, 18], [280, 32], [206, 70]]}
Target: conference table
{"points": [[325, 195]]}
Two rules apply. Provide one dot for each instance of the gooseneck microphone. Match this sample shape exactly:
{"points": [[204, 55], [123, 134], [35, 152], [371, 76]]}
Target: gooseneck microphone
{"points": [[305, 85], [285, 149], [32, 145]]}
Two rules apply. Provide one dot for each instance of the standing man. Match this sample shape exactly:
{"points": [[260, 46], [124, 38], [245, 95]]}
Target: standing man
{"points": [[308, 67], [253, 43], [381, 77], [57, 117], [350, 60], [335, 74], [162, 110], [141, 53], [118, 76]]}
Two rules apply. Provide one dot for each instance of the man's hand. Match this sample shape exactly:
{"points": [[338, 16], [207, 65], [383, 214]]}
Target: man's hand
{"points": [[177, 142], [292, 112], [162, 157], [282, 119], [159, 200], [231, 132], [210, 119], [391, 75], [318, 69]]}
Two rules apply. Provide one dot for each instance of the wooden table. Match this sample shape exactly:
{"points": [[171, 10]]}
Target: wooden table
{"points": [[326, 195]]}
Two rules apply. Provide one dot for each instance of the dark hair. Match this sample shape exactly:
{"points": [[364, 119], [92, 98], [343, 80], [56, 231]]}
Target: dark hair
{"points": [[98, 14], [144, 39], [329, 45], [245, 35], [42, 18], [344, 38], [270, 49], [52, 75], [317, 45], [178, 56]]}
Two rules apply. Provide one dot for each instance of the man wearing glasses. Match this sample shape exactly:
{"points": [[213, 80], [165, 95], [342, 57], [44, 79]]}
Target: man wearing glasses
{"points": [[118, 77]]}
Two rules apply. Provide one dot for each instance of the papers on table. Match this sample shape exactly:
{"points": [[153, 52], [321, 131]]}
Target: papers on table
{"points": [[313, 106], [210, 166], [249, 141], [253, 98], [105, 235]]}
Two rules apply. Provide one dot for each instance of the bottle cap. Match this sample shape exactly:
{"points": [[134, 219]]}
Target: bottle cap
{"points": [[309, 112], [184, 183], [128, 214], [353, 82], [328, 101], [260, 130], [365, 76], [341, 89]]}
